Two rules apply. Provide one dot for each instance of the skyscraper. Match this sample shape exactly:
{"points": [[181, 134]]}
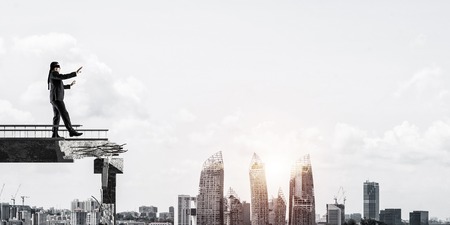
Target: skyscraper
{"points": [[418, 218], [246, 213], [335, 214], [233, 213], [280, 209], [391, 216], [78, 217], [272, 203], [258, 186], [371, 200], [210, 203], [301, 194], [172, 212], [184, 209], [4, 211], [77, 205]]}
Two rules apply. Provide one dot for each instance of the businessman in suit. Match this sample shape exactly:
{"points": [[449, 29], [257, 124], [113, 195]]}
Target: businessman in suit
{"points": [[56, 86]]}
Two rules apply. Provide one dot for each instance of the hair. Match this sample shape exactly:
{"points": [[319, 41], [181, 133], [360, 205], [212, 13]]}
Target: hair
{"points": [[53, 65]]}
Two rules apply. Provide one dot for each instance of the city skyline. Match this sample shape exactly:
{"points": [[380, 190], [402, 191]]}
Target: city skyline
{"points": [[363, 87], [302, 169]]}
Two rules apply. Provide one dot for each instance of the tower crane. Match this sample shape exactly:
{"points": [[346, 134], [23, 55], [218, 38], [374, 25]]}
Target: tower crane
{"points": [[23, 199], [13, 198], [2, 191], [340, 196]]}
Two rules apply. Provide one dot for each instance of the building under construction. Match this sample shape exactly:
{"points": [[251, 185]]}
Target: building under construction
{"points": [[234, 209], [210, 200], [279, 209], [301, 194], [258, 186]]}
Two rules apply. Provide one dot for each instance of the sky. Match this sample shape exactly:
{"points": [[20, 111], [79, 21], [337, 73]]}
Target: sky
{"points": [[361, 86]]}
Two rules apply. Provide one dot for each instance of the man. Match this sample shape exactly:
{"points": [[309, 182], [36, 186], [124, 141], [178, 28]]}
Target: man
{"points": [[57, 87]]}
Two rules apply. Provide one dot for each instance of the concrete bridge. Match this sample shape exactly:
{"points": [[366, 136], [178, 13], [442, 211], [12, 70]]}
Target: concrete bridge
{"points": [[32, 143]]}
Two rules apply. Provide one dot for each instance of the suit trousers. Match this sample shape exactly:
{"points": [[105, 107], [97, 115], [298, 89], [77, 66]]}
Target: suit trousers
{"points": [[60, 111]]}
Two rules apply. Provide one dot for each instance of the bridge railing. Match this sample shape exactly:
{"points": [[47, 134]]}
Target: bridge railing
{"points": [[45, 131]]}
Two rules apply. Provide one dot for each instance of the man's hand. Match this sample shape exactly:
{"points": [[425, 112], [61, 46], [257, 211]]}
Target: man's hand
{"points": [[79, 70], [73, 83]]}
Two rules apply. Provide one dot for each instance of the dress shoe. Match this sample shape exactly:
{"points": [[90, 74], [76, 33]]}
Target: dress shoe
{"points": [[74, 133], [55, 136]]}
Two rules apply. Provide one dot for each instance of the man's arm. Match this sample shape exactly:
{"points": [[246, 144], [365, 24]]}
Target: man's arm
{"points": [[56, 76], [67, 86]]}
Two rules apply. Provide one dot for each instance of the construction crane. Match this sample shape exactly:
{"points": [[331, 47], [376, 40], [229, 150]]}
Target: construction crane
{"points": [[1, 192], [23, 199], [340, 196], [13, 198]]}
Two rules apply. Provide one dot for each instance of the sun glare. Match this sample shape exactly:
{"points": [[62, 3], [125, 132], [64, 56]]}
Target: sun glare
{"points": [[277, 174]]}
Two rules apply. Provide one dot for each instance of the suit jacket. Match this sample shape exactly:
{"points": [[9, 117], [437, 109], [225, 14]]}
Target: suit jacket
{"points": [[57, 86]]}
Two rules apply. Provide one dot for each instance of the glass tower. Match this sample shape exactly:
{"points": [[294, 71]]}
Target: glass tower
{"points": [[301, 194], [371, 200], [210, 202], [258, 186]]}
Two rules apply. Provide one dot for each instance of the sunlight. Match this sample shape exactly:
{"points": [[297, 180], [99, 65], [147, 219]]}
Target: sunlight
{"points": [[278, 171]]}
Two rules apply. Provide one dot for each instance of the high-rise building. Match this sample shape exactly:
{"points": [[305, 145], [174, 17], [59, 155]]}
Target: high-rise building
{"points": [[85, 212], [301, 194], [172, 212], [246, 213], [77, 205], [258, 187], [233, 210], [279, 209], [210, 201], [371, 200], [93, 217], [335, 214], [78, 217], [391, 216], [4, 211], [25, 216], [90, 205], [186, 204], [272, 210], [418, 218]]}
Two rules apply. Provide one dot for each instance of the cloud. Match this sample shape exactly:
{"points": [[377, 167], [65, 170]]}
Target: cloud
{"points": [[347, 138], [419, 41], [185, 115], [44, 44], [232, 119], [35, 92], [404, 144], [148, 131], [202, 138], [427, 79], [99, 93], [9, 114], [129, 87], [61, 47]]}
